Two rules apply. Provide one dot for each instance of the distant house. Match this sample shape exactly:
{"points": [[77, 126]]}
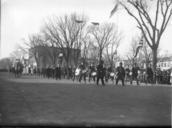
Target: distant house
{"points": [[165, 63], [45, 56]]}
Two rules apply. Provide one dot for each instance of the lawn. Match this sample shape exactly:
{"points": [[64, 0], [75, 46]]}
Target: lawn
{"points": [[64, 103]]}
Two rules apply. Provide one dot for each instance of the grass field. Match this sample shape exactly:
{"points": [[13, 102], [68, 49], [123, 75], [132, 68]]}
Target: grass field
{"points": [[45, 102]]}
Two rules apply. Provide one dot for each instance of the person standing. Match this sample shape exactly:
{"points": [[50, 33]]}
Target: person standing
{"points": [[149, 73], [127, 73], [60, 72], [158, 75], [70, 72], [100, 73], [168, 76], [91, 71], [29, 70], [109, 71], [57, 72], [120, 74], [48, 72], [135, 70], [106, 73], [82, 74]]}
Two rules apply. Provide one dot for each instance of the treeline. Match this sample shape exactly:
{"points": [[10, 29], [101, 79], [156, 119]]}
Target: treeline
{"points": [[76, 32]]}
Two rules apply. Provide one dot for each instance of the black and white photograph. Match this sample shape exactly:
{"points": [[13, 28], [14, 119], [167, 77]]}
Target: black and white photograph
{"points": [[85, 63]]}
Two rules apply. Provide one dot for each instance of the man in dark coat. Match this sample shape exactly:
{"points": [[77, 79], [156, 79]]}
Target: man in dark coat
{"points": [[48, 72], [82, 74], [58, 72], [158, 75], [149, 73], [109, 70], [127, 73], [70, 72], [91, 70], [135, 70], [100, 73], [120, 74]]}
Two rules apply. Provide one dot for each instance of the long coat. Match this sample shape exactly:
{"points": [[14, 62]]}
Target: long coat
{"points": [[100, 71], [120, 72]]}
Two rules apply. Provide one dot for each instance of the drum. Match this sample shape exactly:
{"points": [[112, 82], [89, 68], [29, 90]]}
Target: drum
{"points": [[94, 74], [130, 73], [77, 72], [112, 74]]}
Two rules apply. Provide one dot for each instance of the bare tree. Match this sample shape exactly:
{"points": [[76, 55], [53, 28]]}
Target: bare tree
{"points": [[152, 27], [111, 49], [16, 54], [64, 32], [93, 52], [132, 51], [33, 44], [19, 53], [102, 36], [146, 54], [86, 45]]}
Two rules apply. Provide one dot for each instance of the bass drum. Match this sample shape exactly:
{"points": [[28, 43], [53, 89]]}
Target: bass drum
{"points": [[77, 72], [112, 74], [130, 73], [94, 74]]}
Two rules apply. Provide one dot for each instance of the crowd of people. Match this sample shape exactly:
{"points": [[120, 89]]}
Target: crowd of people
{"points": [[103, 73]]}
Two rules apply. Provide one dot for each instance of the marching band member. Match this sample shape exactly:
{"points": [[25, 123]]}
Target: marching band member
{"points": [[135, 71], [120, 74], [100, 72], [83, 73]]}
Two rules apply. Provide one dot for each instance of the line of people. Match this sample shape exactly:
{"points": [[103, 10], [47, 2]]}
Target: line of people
{"points": [[103, 73], [125, 74]]}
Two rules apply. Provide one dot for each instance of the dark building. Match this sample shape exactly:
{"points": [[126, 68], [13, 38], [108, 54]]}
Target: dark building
{"points": [[51, 56], [165, 63]]}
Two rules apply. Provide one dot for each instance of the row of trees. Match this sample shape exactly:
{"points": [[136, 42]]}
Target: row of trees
{"points": [[152, 17], [75, 32]]}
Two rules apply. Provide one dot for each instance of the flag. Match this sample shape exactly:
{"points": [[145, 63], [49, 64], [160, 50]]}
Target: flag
{"points": [[114, 9], [137, 50], [95, 23], [138, 47], [79, 21]]}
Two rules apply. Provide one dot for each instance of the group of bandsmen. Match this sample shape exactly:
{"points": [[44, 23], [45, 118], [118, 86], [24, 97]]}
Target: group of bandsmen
{"points": [[103, 73], [163, 77]]}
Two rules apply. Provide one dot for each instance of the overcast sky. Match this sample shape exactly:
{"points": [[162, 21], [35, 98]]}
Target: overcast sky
{"points": [[19, 18]]}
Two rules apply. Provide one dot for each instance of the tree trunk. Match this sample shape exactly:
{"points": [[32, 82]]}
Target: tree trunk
{"points": [[68, 60], [100, 55], [154, 63], [67, 69]]}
